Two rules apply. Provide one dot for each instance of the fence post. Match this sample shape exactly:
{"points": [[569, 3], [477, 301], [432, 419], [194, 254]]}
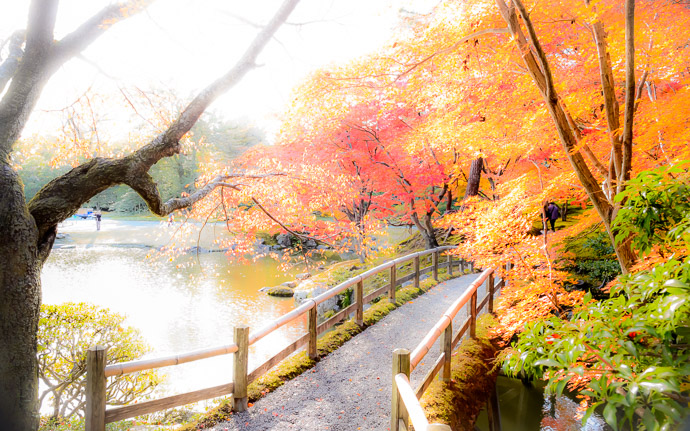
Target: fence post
{"points": [[359, 300], [416, 271], [312, 333], [473, 314], [491, 292], [446, 347], [401, 364], [394, 281], [434, 260], [95, 388], [462, 266], [450, 264], [471, 267], [241, 359]]}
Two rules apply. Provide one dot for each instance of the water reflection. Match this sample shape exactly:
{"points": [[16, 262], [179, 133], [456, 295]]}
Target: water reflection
{"points": [[526, 408], [176, 309]]}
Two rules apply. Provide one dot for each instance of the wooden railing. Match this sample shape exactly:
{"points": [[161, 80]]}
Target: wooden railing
{"points": [[97, 371], [405, 406]]}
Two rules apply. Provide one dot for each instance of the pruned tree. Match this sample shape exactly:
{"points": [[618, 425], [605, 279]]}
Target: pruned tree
{"points": [[28, 229], [65, 333]]}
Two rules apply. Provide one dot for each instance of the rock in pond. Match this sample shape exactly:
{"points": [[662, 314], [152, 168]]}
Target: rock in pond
{"points": [[283, 292], [303, 276], [290, 284]]}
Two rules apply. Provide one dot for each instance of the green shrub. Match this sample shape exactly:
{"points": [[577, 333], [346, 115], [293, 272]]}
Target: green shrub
{"points": [[65, 332]]}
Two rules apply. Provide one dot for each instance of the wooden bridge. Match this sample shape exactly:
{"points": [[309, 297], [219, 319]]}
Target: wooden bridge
{"points": [[405, 408]]}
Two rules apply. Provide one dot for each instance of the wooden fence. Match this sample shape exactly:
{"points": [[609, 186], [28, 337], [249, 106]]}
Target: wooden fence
{"points": [[405, 406], [97, 371]]}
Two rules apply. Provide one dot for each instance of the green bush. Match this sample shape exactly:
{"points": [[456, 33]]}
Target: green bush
{"points": [[65, 333]]}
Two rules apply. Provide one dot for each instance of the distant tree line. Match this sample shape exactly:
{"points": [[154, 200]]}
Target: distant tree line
{"points": [[216, 140]]}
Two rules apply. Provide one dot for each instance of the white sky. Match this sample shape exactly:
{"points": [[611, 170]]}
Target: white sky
{"points": [[185, 44]]}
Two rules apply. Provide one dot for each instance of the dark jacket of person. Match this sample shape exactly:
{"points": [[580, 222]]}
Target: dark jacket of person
{"points": [[553, 212]]}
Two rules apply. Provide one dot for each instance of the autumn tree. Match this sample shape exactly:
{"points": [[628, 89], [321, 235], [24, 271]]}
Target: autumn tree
{"points": [[527, 36], [373, 132], [560, 82], [28, 229]]}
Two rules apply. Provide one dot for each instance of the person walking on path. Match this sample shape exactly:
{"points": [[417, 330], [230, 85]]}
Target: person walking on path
{"points": [[553, 212]]}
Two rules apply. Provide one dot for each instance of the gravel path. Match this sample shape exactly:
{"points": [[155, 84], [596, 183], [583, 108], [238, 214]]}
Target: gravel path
{"points": [[350, 389]]}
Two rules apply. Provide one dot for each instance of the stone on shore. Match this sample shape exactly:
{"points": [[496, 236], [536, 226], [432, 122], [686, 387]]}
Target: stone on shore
{"points": [[284, 240], [311, 289]]}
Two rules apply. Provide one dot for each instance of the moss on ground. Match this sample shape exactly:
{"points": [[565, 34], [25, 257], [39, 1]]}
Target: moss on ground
{"points": [[416, 242], [574, 214], [473, 378], [329, 342]]}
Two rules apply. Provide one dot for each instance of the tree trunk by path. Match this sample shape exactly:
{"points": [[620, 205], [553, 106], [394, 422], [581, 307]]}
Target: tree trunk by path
{"points": [[535, 60]]}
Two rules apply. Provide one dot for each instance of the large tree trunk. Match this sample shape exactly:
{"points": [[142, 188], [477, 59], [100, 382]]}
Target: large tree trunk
{"points": [[474, 177], [426, 229], [20, 299]]}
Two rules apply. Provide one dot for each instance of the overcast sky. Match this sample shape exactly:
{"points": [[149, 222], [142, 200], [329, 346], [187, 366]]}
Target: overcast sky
{"points": [[185, 44]]}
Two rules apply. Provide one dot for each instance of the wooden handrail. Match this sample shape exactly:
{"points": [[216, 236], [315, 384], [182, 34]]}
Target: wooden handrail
{"points": [[428, 341], [402, 390], [97, 416], [281, 321], [409, 399], [150, 364]]}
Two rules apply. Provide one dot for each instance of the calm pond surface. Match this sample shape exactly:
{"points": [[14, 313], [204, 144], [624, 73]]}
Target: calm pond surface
{"points": [[527, 408], [176, 309]]}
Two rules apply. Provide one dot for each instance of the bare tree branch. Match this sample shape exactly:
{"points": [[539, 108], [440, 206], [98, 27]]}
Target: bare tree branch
{"points": [[28, 79], [148, 190], [301, 237], [41, 59], [11, 63], [551, 96], [611, 106], [627, 137], [167, 143], [64, 195], [75, 42]]}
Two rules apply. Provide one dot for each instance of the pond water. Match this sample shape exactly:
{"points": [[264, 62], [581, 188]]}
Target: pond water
{"points": [[177, 309], [527, 408]]}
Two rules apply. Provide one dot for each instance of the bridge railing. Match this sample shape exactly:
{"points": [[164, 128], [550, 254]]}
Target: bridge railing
{"points": [[405, 406], [97, 371]]}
